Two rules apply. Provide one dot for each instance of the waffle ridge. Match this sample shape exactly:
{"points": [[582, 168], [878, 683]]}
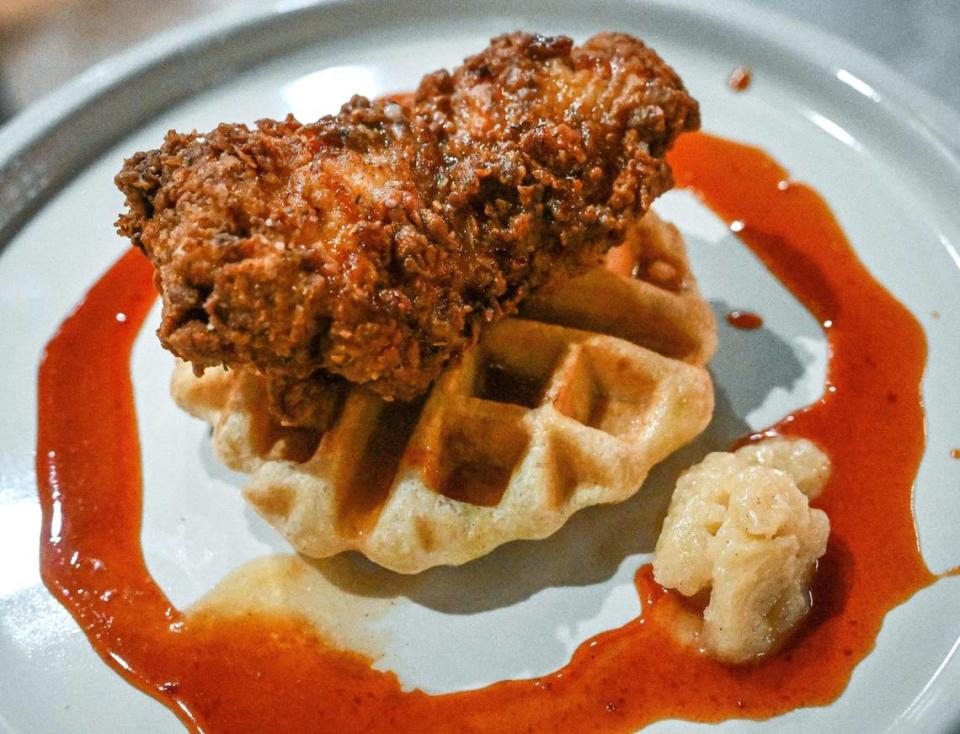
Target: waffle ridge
{"points": [[567, 405]]}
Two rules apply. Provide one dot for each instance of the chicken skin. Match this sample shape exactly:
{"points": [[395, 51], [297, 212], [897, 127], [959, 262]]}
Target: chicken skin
{"points": [[371, 246]]}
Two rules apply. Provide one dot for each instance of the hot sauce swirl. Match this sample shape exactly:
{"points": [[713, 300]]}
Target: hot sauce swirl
{"points": [[260, 674]]}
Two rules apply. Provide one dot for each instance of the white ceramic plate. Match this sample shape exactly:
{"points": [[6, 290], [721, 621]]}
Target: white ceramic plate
{"points": [[882, 155]]}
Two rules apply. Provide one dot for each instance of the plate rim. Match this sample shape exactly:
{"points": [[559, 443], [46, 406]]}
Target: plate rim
{"points": [[39, 155]]}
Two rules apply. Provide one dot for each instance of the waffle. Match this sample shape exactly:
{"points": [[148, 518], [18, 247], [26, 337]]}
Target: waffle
{"points": [[565, 406]]}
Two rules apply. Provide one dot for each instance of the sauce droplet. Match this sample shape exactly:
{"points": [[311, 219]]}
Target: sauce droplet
{"points": [[740, 79], [746, 320], [955, 453]]}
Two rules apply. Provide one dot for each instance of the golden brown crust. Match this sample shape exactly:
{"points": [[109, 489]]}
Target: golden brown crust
{"points": [[375, 243]]}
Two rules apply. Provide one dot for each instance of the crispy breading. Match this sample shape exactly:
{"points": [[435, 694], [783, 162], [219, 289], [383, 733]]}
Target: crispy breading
{"points": [[373, 244]]}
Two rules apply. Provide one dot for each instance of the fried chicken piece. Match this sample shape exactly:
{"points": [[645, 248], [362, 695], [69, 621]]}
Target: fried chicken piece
{"points": [[373, 244]]}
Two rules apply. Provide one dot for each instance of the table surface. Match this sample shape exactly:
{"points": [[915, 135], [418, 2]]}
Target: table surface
{"points": [[43, 43]]}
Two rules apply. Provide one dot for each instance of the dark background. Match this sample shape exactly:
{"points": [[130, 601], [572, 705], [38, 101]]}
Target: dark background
{"points": [[43, 43]]}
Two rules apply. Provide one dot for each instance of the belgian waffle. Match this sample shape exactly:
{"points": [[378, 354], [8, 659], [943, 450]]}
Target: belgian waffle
{"points": [[565, 406]]}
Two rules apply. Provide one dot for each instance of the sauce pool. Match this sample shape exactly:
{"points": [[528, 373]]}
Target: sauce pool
{"points": [[273, 674]]}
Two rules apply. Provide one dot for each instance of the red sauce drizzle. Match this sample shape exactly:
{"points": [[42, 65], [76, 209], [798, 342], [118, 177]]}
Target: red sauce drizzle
{"points": [[740, 78], [746, 320], [256, 674]]}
